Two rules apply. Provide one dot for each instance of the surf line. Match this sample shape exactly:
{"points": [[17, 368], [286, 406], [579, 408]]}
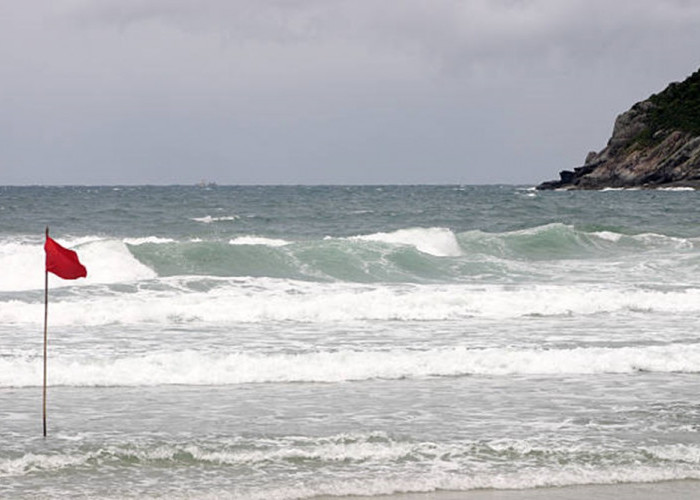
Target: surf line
{"points": [[65, 264]]}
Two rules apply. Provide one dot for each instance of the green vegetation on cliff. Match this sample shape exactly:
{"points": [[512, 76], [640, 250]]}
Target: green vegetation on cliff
{"points": [[675, 108]]}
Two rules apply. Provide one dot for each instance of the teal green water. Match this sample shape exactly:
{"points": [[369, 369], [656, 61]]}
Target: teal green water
{"points": [[281, 342], [316, 211]]}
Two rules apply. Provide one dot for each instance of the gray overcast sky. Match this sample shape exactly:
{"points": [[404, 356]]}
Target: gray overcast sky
{"points": [[325, 91]]}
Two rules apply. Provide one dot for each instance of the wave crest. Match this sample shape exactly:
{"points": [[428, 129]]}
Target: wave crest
{"points": [[437, 241]]}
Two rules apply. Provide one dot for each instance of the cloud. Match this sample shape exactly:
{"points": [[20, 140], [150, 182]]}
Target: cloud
{"points": [[325, 91], [232, 44], [447, 30]]}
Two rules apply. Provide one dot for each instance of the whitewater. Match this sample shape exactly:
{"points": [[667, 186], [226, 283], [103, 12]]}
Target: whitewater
{"points": [[283, 342]]}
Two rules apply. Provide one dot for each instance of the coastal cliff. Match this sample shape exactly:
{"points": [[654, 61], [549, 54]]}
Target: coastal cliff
{"points": [[654, 144]]}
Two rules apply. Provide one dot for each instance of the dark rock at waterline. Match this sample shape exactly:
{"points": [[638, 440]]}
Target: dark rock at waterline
{"points": [[654, 144]]}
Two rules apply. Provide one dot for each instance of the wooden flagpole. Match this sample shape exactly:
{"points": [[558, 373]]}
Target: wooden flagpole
{"points": [[46, 318]]}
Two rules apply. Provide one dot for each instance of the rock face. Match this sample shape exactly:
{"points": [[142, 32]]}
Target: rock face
{"points": [[654, 144]]}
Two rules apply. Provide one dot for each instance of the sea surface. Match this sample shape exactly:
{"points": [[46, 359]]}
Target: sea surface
{"points": [[290, 342]]}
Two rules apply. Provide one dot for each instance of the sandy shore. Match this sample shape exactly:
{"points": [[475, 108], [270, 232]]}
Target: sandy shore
{"points": [[676, 490]]}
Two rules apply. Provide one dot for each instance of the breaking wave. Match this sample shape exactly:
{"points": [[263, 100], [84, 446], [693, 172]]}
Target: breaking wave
{"points": [[406, 255], [206, 368], [107, 261], [416, 465], [251, 300]]}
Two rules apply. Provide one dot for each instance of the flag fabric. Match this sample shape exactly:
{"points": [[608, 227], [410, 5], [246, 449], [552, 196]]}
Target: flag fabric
{"points": [[63, 262]]}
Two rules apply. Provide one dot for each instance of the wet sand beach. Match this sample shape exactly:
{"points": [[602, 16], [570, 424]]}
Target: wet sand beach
{"points": [[675, 490]]}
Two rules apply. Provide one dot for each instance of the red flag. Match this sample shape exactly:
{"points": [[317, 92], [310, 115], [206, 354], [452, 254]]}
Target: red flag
{"points": [[62, 262]]}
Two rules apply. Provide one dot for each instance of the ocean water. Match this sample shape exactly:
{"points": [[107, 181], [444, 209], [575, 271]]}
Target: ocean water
{"points": [[291, 342]]}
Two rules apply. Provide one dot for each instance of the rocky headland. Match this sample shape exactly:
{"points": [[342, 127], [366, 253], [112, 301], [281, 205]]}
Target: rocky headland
{"points": [[654, 144]]}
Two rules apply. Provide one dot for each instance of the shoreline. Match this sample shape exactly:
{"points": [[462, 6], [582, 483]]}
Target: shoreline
{"points": [[677, 490]]}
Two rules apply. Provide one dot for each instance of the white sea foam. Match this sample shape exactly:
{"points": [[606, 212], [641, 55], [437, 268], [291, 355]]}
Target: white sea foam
{"points": [[676, 452], [679, 188], [416, 466], [441, 478], [147, 239], [258, 240], [22, 265], [107, 261], [373, 447], [208, 219], [660, 240], [608, 235], [35, 462], [437, 241], [206, 368], [648, 240], [267, 299]]}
